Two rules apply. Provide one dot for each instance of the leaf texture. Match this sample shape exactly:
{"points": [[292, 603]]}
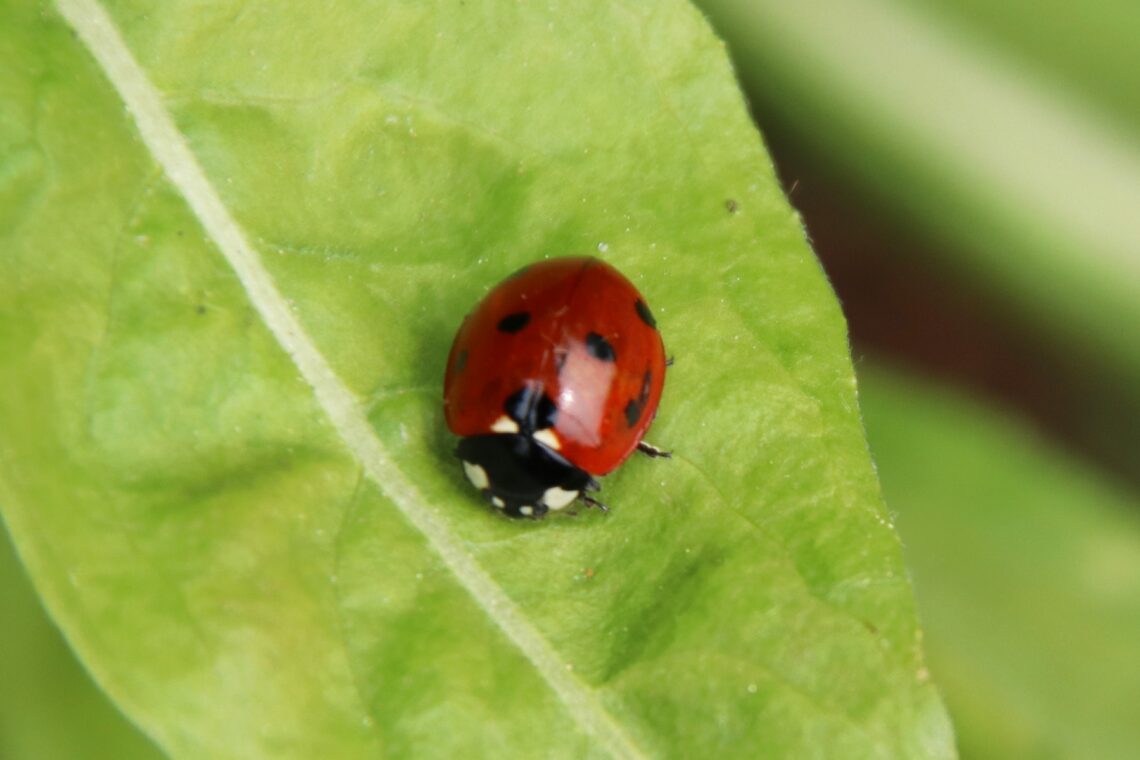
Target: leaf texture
{"points": [[244, 239]]}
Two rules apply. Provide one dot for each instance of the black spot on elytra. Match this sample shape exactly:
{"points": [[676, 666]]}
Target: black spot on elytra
{"points": [[531, 409], [635, 406], [512, 323], [600, 348], [632, 412], [460, 361], [645, 314]]}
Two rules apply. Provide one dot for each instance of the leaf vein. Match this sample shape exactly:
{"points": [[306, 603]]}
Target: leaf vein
{"points": [[169, 148]]}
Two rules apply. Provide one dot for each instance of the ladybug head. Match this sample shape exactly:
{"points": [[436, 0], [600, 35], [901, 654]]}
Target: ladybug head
{"points": [[522, 476]]}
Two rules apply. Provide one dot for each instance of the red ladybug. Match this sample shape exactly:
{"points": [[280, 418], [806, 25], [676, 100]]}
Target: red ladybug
{"points": [[553, 379]]}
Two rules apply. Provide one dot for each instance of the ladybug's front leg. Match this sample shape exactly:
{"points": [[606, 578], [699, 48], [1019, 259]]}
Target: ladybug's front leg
{"points": [[650, 450]]}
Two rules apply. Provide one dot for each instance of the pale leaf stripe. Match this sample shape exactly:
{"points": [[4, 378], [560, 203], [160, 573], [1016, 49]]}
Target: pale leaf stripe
{"points": [[170, 150]]}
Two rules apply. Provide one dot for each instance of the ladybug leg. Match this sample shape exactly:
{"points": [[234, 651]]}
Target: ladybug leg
{"points": [[650, 450], [592, 502], [669, 362]]}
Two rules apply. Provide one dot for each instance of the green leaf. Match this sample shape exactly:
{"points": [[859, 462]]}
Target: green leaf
{"points": [[48, 706], [958, 126], [244, 240], [1027, 568]]}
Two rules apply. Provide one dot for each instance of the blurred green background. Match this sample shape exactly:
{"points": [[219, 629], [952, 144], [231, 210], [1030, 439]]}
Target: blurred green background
{"points": [[969, 174]]}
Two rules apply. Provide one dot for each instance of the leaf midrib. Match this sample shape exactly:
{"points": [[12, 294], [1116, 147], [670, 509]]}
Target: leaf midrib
{"points": [[169, 149]]}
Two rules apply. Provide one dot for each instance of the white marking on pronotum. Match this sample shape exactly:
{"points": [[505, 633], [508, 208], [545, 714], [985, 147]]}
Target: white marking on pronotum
{"points": [[505, 425], [526, 510], [169, 148], [558, 498], [477, 475], [549, 437]]}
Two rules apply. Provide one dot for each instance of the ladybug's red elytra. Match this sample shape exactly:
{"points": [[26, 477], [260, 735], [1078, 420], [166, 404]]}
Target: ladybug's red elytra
{"points": [[553, 378]]}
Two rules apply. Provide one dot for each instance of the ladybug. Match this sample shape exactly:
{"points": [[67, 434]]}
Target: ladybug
{"points": [[553, 379]]}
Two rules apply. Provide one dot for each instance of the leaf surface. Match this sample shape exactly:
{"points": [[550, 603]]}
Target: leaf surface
{"points": [[223, 340], [48, 705]]}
